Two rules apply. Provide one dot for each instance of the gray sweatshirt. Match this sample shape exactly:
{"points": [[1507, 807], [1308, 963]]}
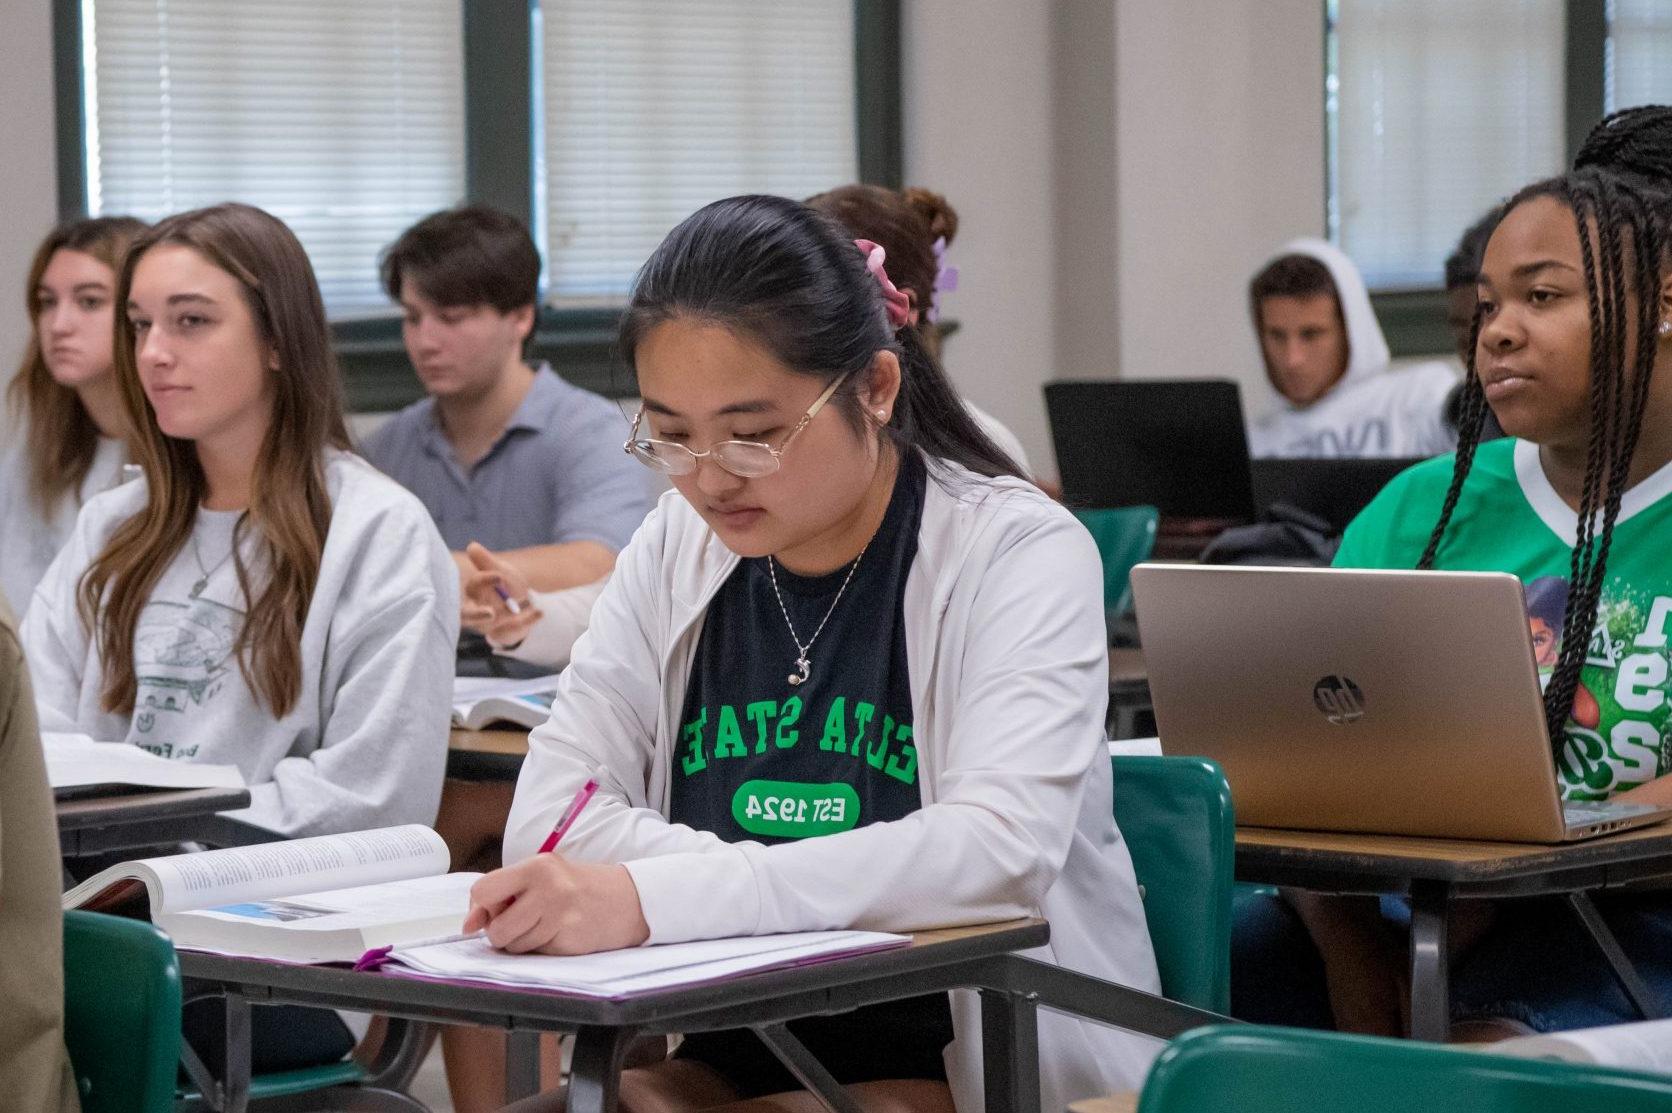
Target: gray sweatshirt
{"points": [[365, 744]]}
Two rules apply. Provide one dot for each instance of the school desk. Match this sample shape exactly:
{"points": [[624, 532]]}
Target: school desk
{"points": [[1113, 1103], [1432, 873], [983, 957], [144, 818]]}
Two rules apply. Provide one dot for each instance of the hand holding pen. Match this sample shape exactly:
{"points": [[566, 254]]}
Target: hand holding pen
{"points": [[494, 597], [553, 905]]}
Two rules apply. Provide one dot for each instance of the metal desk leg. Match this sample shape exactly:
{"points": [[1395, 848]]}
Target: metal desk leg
{"points": [[235, 1072], [807, 1069], [1645, 1000], [1430, 972], [1010, 1051], [522, 1064], [595, 1069]]}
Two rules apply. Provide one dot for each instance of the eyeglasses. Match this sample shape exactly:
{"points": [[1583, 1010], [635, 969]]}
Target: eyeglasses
{"points": [[744, 459]]}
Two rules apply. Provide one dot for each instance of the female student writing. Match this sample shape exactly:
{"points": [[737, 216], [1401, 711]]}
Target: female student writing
{"points": [[848, 601], [262, 597], [1571, 348], [61, 439]]}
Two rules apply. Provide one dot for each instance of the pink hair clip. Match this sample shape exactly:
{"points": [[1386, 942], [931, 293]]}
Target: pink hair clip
{"points": [[946, 279], [897, 301]]}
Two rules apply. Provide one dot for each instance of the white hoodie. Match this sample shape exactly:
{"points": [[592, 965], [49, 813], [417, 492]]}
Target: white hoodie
{"points": [[1009, 683], [365, 744], [1372, 411]]}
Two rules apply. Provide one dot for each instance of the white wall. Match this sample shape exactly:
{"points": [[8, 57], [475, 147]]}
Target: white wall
{"points": [[1120, 169], [28, 169]]}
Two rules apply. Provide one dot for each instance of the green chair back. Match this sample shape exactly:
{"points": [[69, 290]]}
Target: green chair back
{"points": [[1266, 1070], [1125, 536], [121, 1013], [1175, 814]]}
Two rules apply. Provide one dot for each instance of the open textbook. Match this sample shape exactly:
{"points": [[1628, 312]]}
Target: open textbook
{"points": [[324, 899], [76, 765], [480, 700], [617, 974], [1645, 1045]]}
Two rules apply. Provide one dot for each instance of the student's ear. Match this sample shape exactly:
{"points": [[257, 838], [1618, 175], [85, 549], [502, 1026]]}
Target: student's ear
{"points": [[273, 358], [882, 386], [523, 318], [1665, 304]]}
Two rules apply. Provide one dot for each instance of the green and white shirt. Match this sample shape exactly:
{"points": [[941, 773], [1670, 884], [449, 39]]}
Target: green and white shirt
{"points": [[1510, 519]]}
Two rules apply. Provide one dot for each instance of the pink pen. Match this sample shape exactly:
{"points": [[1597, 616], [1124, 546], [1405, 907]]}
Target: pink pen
{"points": [[377, 956], [570, 814]]}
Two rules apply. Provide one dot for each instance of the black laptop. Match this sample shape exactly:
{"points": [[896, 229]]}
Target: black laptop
{"points": [[1175, 444]]}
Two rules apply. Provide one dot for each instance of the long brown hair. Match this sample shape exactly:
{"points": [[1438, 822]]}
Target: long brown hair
{"points": [[60, 435], [290, 510]]}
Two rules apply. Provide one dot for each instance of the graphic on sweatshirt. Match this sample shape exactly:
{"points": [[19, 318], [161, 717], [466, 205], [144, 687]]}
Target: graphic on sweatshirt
{"points": [[182, 655], [1617, 734]]}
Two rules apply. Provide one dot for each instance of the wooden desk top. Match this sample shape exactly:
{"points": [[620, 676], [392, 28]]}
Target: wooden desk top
{"points": [[1263, 853], [146, 806], [505, 743], [1126, 666], [1114, 1103]]}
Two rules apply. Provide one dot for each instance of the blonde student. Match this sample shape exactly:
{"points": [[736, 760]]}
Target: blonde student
{"points": [[262, 596], [61, 435], [849, 599], [1572, 349]]}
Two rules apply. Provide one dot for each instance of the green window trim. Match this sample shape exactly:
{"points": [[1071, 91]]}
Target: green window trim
{"points": [[499, 170], [1415, 320]]}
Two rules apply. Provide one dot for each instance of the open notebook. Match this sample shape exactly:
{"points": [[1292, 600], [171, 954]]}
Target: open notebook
{"points": [[613, 975]]}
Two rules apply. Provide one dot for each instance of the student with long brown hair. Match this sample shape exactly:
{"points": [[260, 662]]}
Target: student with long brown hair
{"points": [[61, 436], [262, 597]]}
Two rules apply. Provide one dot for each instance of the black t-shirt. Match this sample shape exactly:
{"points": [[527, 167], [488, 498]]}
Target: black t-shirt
{"points": [[761, 758]]}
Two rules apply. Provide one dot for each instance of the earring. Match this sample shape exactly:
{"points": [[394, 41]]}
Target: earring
{"points": [[1666, 328], [882, 415]]}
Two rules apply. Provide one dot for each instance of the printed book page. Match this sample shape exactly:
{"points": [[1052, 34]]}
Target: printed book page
{"points": [[480, 700], [76, 761], [179, 882], [337, 925], [614, 974]]}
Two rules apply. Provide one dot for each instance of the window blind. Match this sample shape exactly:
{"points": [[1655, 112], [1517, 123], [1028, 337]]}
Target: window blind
{"points": [[1639, 60], [1445, 107], [653, 108], [345, 120]]}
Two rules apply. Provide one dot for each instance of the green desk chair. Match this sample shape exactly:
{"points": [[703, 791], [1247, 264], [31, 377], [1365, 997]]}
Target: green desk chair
{"points": [[1175, 814], [1289, 1070], [1124, 536], [121, 1013]]}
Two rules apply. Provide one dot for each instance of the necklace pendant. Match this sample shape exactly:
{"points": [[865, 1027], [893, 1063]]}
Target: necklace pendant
{"points": [[197, 588], [804, 669]]}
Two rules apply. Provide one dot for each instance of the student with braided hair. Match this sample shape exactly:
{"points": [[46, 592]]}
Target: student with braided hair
{"points": [[1572, 347]]}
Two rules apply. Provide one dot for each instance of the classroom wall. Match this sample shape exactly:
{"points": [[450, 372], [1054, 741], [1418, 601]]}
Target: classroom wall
{"points": [[28, 173], [1120, 168]]}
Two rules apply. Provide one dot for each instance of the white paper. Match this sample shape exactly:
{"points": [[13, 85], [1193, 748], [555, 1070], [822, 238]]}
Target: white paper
{"points": [[1135, 747], [622, 973], [75, 761]]}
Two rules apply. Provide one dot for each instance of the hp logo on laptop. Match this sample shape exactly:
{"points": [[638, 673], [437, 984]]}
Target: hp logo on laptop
{"points": [[1340, 700]]}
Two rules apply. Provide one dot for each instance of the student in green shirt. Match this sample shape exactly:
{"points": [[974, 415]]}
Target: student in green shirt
{"points": [[1572, 348]]}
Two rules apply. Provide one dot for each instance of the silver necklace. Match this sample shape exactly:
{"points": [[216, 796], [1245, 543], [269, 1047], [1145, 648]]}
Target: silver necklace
{"points": [[803, 666], [203, 580]]}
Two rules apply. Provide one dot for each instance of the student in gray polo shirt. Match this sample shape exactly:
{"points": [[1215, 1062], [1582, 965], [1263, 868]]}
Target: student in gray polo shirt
{"points": [[501, 453]]}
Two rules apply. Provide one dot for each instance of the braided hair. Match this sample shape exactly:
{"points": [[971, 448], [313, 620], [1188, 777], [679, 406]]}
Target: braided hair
{"points": [[1620, 192]]}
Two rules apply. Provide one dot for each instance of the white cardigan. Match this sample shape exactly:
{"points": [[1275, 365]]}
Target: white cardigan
{"points": [[1009, 683]]}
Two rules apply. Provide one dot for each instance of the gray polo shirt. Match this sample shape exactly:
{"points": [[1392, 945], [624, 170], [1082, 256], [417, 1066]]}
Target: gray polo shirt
{"points": [[557, 473]]}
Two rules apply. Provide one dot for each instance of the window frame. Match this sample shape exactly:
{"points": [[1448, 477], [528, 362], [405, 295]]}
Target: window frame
{"points": [[1414, 319], [499, 170]]}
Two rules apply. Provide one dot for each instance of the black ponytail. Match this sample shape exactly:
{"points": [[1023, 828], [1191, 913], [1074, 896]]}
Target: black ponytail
{"points": [[1620, 192], [793, 281]]}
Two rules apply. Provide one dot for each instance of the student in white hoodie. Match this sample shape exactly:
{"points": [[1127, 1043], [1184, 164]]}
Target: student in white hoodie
{"points": [[61, 435], [1328, 360], [849, 598], [262, 597]]}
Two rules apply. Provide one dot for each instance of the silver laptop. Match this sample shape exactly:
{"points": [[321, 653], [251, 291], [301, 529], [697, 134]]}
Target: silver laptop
{"points": [[1401, 703]]}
